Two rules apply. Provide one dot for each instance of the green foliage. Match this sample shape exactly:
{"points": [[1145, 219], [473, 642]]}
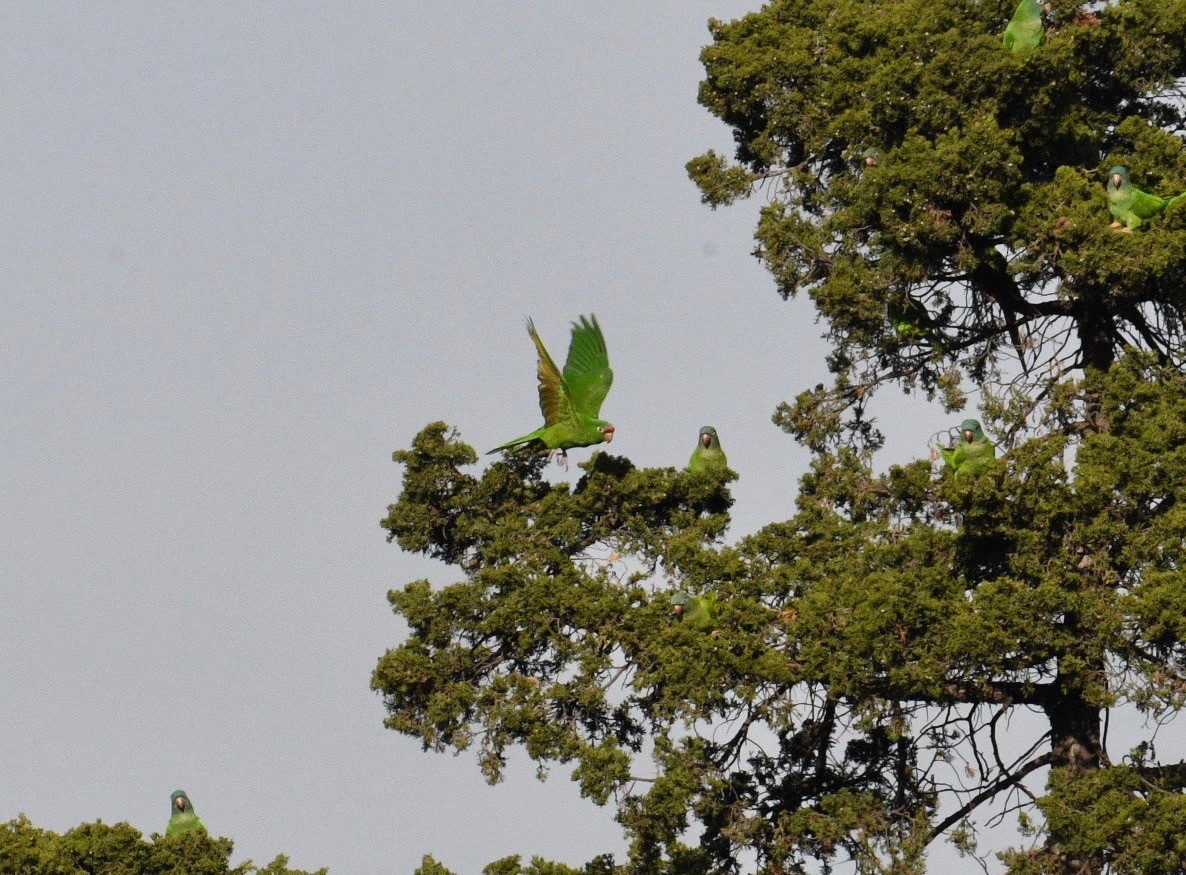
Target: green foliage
{"points": [[1116, 814], [986, 203], [429, 866], [793, 730], [120, 849], [719, 183], [941, 200]]}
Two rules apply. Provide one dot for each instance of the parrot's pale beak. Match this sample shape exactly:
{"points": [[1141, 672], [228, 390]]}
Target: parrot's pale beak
{"points": [[181, 803], [677, 609], [1116, 180], [706, 440], [609, 433], [969, 437]]}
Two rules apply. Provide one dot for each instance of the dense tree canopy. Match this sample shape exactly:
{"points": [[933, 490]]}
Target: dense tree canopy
{"points": [[986, 205], [941, 199], [120, 849]]}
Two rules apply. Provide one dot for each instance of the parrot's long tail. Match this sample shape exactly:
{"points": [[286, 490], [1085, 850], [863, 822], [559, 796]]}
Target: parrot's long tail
{"points": [[526, 439]]}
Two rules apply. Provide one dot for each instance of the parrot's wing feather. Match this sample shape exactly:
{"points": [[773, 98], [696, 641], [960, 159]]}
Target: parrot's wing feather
{"points": [[554, 402], [1146, 205], [587, 375]]}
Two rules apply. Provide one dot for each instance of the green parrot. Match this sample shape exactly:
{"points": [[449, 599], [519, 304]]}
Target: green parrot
{"points": [[570, 401], [708, 455], [910, 319], [972, 453], [1025, 32], [183, 818], [698, 612], [1129, 205]]}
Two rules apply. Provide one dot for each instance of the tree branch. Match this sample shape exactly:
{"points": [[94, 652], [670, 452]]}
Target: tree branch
{"points": [[987, 793]]}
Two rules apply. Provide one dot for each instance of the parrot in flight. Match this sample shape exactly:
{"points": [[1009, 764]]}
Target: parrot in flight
{"points": [[1129, 205], [698, 612], [571, 400], [1025, 32], [971, 453], [182, 818], [708, 455]]}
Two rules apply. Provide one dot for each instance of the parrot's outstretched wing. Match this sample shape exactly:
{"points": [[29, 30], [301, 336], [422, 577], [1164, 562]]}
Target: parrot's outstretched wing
{"points": [[554, 402], [587, 375]]}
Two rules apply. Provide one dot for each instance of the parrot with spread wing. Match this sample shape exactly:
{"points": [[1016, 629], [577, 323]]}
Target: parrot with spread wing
{"points": [[1025, 32], [1129, 205], [971, 453], [708, 455], [571, 400], [183, 819], [698, 612]]}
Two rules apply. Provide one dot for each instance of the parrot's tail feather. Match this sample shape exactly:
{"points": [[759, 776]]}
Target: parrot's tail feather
{"points": [[526, 439]]}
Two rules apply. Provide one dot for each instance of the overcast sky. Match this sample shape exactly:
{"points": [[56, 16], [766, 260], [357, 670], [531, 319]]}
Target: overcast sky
{"points": [[246, 251]]}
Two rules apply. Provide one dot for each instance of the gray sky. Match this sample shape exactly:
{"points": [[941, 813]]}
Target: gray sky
{"points": [[248, 251]]}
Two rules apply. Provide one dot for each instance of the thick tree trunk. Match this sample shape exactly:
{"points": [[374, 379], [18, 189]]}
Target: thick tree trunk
{"points": [[1075, 746], [1074, 733]]}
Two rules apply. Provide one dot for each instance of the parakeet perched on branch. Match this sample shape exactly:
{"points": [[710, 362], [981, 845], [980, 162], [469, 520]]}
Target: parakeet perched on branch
{"points": [[183, 819], [1025, 32], [1129, 205], [971, 453], [571, 401], [697, 612], [708, 455], [909, 319]]}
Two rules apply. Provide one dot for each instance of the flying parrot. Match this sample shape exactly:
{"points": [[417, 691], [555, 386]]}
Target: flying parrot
{"points": [[698, 612], [1025, 32], [708, 455], [971, 453], [571, 401], [183, 819], [1129, 205]]}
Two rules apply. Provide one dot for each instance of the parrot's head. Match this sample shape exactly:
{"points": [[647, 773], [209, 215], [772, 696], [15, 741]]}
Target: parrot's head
{"points": [[872, 157], [180, 801], [708, 437], [1118, 176], [606, 430], [679, 601], [972, 430]]}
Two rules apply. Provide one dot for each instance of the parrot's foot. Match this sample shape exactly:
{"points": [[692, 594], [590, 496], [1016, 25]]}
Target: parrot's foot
{"points": [[561, 458], [1124, 230], [1115, 225]]}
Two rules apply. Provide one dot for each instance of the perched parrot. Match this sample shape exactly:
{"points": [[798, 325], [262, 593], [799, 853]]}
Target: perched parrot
{"points": [[910, 319], [183, 818], [697, 612], [1025, 32], [570, 401], [972, 453], [708, 455], [1129, 205]]}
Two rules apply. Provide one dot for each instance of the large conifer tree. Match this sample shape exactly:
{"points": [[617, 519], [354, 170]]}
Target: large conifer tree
{"points": [[941, 200]]}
